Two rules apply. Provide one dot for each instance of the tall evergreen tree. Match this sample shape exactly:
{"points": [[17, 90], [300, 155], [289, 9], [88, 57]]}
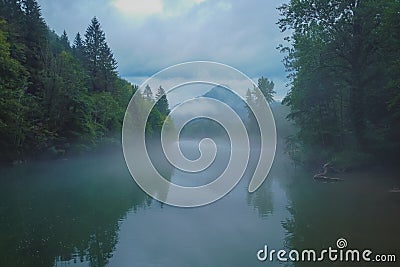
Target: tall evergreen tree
{"points": [[162, 102], [267, 88], [54, 99], [65, 41], [78, 42], [148, 94], [100, 61], [78, 47], [35, 39]]}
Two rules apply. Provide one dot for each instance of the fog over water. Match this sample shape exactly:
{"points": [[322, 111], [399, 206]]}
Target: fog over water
{"points": [[88, 211]]}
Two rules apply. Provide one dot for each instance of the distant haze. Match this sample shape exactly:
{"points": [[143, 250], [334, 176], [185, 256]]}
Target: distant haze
{"points": [[149, 35]]}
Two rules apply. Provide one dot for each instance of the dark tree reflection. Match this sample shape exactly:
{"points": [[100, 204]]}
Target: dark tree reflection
{"points": [[65, 210]]}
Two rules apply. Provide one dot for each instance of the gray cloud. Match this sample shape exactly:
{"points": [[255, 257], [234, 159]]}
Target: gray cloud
{"points": [[240, 33]]}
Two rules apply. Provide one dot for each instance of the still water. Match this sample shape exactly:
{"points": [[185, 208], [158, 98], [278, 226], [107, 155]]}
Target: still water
{"points": [[89, 212]]}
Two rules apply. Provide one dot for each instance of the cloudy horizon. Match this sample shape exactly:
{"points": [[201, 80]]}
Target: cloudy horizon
{"points": [[147, 36]]}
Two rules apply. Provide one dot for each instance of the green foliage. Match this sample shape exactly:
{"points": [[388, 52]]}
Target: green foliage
{"points": [[55, 98], [65, 41], [162, 102], [78, 47], [256, 98], [267, 88], [344, 69], [148, 94], [99, 59], [13, 84], [103, 114], [267, 92]]}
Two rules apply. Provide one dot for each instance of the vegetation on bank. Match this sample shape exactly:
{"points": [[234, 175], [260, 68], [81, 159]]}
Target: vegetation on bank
{"points": [[343, 61], [57, 97]]}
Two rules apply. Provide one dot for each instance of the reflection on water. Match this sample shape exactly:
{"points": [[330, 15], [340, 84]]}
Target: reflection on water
{"points": [[191, 150], [64, 211], [89, 212], [361, 209]]}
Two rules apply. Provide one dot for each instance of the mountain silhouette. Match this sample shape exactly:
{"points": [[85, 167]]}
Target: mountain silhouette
{"points": [[231, 99], [201, 127]]}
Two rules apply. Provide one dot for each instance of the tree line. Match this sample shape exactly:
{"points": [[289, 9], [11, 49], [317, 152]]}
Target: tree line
{"points": [[343, 61], [57, 97]]}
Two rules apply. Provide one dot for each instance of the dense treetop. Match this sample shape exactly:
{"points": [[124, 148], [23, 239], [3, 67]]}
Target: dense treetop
{"points": [[56, 98], [343, 60]]}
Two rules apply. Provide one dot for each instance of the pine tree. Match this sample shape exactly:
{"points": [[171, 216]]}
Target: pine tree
{"points": [[35, 39], [100, 61], [54, 99], [65, 41], [267, 88], [78, 47], [162, 102], [78, 42], [148, 94]]}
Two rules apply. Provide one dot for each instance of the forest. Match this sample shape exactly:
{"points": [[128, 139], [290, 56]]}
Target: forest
{"points": [[56, 96], [342, 58], [343, 62]]}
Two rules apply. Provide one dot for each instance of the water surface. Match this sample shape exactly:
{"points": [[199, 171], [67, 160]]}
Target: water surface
{"points": [[88, 212]]}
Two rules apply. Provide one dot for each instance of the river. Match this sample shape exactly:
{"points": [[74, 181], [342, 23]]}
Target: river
{"points": [[87, 211]]}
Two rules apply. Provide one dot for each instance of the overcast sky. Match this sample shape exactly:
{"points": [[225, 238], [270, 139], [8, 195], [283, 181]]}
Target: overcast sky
{"points": [[149, 35]]}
